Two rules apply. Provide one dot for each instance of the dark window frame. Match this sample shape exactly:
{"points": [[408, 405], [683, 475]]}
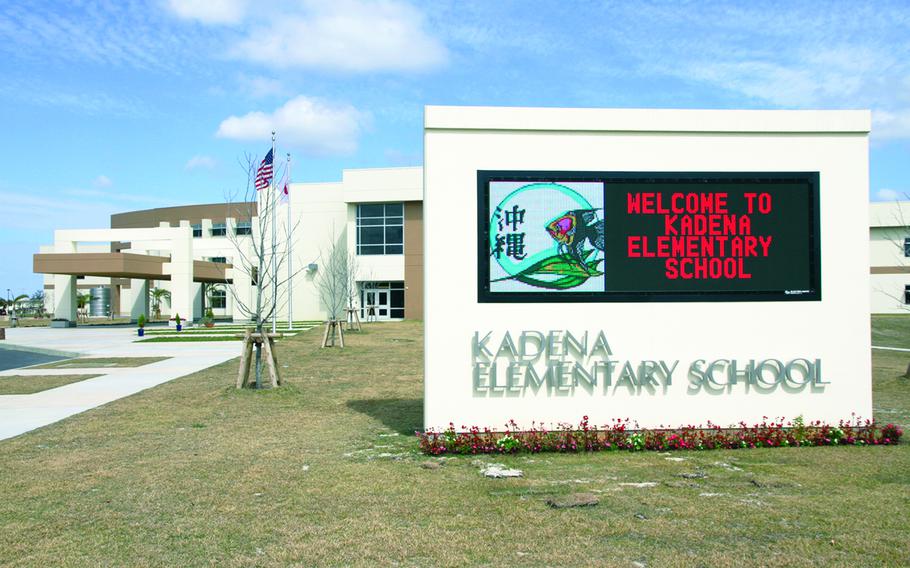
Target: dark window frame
{"points": [[370, 222], [218, 299]]}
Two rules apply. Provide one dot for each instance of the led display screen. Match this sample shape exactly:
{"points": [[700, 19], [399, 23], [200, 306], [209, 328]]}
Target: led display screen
{"points": [[611, 236]]}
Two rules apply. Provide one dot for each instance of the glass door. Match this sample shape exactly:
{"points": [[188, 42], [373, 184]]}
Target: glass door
{"points": [[381, 301], [374, 304]]}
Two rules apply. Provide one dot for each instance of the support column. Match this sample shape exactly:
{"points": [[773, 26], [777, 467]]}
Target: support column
{"points": [[139, 298], [65, 287], [229, 302], [182, 289], [65, 297]]}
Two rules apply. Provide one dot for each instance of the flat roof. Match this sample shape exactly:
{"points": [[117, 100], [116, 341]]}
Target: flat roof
{"points": [[647, 120]]}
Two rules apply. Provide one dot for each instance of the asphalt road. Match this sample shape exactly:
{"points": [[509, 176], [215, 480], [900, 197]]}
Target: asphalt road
{"points": [[15, 358]]}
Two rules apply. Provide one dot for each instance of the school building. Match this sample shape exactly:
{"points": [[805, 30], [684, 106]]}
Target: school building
{"points": [[889, 253], [200, 254]]}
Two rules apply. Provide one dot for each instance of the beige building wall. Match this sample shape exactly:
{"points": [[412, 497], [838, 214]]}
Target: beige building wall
{"points": [[889, 225]]}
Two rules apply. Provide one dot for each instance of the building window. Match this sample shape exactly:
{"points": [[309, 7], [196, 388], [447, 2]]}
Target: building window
{"points": [[197, 230], [221, 259], [906, 246], [244, 228], [218, 298], [254, 276], [218, 230], [380, 228], [907, 293]]}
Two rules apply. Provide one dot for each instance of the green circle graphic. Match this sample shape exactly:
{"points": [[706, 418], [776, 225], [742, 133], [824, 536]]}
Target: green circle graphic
{"points": [[512, 268]]}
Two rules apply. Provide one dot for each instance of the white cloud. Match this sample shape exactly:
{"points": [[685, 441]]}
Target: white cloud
{"points": [[346, 35], [856, 56], [316, 126], [891, 123], [209, 11], [69, 208], [110, 34], [102, 181], [887, 194], [200, 163]]}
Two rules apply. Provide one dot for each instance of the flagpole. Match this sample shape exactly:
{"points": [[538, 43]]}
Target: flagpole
{"points": [[274, 244], [287, 184]]}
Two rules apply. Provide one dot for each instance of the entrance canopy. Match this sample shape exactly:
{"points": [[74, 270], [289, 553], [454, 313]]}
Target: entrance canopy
{"points": [[124, 265]]}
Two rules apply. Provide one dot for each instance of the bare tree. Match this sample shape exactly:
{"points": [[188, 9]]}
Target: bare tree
{"points": [[334, 277], [337, 280], [257, 255]]}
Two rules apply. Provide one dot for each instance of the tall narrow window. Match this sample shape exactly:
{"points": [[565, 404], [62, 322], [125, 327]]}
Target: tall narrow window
{"points": [[906, 246], [380, 228], [906, 294]]}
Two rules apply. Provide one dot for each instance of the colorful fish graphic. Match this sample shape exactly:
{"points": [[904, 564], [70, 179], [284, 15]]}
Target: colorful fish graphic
{"points": [[573, 228]]}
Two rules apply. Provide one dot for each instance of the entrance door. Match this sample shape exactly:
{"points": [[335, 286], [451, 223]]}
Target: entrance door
{"points": [[381, 300], [374, 304]]}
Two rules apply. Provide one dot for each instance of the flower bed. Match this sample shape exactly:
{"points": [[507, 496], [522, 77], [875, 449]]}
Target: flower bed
{"points": [[624, 435]]}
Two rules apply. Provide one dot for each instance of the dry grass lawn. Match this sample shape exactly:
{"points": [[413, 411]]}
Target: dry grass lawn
{"points": [[323, 472], [30, 384]]}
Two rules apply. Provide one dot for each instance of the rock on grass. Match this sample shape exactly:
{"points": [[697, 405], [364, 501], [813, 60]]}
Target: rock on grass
{"points": [[497, 470]]}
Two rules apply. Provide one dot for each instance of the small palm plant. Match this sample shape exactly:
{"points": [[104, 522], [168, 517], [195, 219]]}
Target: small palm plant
{"points": [[158, 295], [82, 302]]}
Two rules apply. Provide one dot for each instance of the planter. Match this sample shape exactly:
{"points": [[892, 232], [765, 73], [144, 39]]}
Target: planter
{"points": [[179, 327], [62, 323], [210, 324], [141, 332]]}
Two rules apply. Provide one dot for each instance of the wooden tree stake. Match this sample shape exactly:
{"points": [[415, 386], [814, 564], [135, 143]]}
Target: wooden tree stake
{"points": [[245, 358], [267, 344], [333, 329]]}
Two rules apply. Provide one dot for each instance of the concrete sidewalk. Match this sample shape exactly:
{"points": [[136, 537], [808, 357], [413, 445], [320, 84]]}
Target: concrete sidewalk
{"points": [[21, 413]]}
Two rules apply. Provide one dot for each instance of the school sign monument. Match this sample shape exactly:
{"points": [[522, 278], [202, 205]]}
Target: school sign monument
{"points": [[669, 266]]}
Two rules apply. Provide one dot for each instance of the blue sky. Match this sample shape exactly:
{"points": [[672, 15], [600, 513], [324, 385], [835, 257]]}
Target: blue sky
{"points": [[111, 106]]}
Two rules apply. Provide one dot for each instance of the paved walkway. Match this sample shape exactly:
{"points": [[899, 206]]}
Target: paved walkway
{"points": [[21, 413]]}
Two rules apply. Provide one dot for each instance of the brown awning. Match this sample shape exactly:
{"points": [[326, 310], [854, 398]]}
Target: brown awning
{"points": [[122, 265]]}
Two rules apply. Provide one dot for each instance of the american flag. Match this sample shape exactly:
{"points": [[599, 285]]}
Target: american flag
{"points": [[264, 173]]}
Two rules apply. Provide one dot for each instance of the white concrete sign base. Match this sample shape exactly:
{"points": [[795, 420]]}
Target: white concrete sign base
{"points": [[659, 363]]}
